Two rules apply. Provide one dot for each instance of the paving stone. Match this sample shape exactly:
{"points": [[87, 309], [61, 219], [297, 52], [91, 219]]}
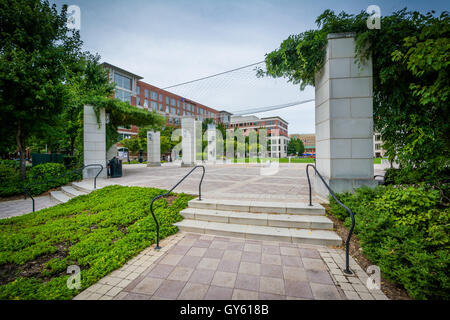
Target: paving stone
{"points": [[366, 296], [232, 255], [239, 294], [202, 243], [346, 287], [271, 259], [161, 271], [271, 249], [147, 286], [250, 247], [319, 276], [251, 257], [224, 279], [270, 270], [247, 282], [238, 246], [216, 244], [170, 289], [214, 253], [136, 296], [294, 273], [271, 285], [300, 289], [229, 265], [202, 276], [218, 293], [196, 252], [270, 296], [208, 263], [180, 249], [250, 268], [189, 261], [309, 253], [180, 273], [314, 264], [352, 295], [286, 251], [291, 261], [193, 291], [380, 297], [114, 291], [324, 292], [360, 288], [171, 259]]}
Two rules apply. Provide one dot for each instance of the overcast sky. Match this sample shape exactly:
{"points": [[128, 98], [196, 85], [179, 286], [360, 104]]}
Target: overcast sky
{"points": [[172, 41]]}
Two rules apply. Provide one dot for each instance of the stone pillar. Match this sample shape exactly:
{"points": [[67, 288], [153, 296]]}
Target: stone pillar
{"points": [[153, 149], [344, 118], [188, 142], [94, 136], [211, 138]]}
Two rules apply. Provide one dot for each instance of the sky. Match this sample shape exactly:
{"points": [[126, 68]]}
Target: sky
{"points": [[168, 42]]}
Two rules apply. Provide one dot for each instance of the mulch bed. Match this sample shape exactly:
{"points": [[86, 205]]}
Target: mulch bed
{"points": [[391, 290]]}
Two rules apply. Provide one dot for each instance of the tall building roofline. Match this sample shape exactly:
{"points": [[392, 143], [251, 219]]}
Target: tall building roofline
{"points": [[106, 64]]}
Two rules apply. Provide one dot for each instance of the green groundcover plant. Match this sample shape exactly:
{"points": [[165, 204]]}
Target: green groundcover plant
{"points": [[98, 232], [405, 231]]}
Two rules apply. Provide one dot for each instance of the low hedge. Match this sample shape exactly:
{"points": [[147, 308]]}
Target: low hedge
{"points": [[98, 232], [10, 183], [405, 231]]}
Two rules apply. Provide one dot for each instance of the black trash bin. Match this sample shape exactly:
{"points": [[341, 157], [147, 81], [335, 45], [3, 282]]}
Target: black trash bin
{"points": [[115, 168]]}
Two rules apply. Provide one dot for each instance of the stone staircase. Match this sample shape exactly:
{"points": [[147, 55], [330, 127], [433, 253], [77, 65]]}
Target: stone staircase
{"points": [[69, 192], [259, 220]]}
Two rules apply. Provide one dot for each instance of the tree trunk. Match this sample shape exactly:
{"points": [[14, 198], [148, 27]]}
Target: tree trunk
{"points": [[21, 146]]}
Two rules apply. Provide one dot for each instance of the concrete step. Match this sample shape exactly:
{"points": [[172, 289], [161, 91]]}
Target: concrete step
{"points": [[258, 206], [72, 192], [83, 187], [306, 236], [259, 219], [59, 196]]}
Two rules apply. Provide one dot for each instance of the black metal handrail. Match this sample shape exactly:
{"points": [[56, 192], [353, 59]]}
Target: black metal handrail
{"points": [[168, 192], [352, 216], [27, 187]]}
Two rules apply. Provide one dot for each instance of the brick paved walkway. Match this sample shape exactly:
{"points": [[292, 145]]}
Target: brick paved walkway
{"points": [[195, 266]]}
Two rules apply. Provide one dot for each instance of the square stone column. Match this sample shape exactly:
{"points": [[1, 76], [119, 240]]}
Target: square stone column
{"points": [[190, 141], [94, 144], [211, 138], [344, 118], [153, 149]]}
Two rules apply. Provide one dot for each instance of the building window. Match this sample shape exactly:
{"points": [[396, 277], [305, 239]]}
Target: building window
{"points": [[167, 100], [160, 107], [138, 90], [172, 102], [160, 97], [153, 95], [122, 81], [154, 105], [146, 93], [178, 103], [146, 103], [123, 95], [138, 100]]}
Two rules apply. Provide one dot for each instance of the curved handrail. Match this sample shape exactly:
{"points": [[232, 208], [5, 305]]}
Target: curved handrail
{"points": [[27, 187], [352, 216], [168, 192]]}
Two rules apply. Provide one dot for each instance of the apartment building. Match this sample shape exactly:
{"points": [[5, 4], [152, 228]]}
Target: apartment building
{"points": [[130, 88], [378, 151], [277, 132]]}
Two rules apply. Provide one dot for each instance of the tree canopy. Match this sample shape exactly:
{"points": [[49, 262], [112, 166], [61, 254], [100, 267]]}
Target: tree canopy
{"points": [[410, 58]]}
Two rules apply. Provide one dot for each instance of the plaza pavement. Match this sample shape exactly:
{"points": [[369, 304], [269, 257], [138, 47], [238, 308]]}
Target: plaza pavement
{"points": [[204, 267]]}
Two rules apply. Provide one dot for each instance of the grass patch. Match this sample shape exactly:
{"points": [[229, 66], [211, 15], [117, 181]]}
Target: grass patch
{"points": [[98, 232]]}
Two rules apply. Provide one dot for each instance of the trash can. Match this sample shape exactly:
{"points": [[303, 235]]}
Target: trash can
{"points": [[115, 168], [141, 156]]}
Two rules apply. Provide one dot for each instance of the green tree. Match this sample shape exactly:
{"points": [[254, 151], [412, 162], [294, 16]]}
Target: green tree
{"points": [[38, 53], [410, 55], [295, 147]]}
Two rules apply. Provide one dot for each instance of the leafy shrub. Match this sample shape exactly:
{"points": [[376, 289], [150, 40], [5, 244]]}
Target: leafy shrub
{"points": [[10, 183], [405, 232], [70, 162]]}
